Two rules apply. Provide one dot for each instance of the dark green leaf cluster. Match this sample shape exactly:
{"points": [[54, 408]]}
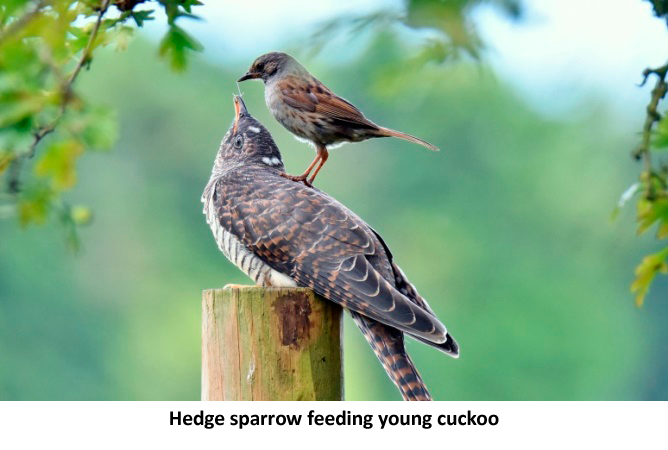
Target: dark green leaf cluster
{"points": [[45, 124], [660, 8], [652, 207], [177, 43]]}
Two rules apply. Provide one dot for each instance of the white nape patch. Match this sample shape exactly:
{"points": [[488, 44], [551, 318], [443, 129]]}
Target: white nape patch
{"points": [[271, 161], [254, 129]]}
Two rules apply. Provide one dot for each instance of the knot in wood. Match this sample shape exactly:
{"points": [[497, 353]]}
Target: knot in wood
{"points": [[293, 311]]}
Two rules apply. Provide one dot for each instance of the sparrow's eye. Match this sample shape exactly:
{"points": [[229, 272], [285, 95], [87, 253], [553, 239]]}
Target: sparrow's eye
{"points": [[259, 66], [238, 141]]}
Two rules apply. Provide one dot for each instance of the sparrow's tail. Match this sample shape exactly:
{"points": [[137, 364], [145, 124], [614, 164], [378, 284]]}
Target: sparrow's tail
{"points": [[398, 134], [388, 345]]}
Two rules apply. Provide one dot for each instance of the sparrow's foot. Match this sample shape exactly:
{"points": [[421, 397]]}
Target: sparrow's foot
{"points": [[298, 178]]}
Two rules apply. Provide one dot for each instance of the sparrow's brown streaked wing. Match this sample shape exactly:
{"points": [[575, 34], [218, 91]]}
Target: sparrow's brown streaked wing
{"points": [[317, 98], [310, 237]]}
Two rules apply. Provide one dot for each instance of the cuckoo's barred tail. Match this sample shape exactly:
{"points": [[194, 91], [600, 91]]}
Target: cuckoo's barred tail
{"points": [[388, 345]]}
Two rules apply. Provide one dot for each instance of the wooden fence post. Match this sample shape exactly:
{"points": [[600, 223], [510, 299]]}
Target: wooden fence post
{"points": [[270, 344]]}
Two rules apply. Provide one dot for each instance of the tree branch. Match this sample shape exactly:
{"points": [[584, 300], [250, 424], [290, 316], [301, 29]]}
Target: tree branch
{"points": [[13, 184], [67, 87], [658, 93]]}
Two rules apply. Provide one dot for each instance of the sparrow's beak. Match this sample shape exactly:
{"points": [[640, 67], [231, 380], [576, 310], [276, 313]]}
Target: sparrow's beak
{"points": [[249, 76], [239, 111]]}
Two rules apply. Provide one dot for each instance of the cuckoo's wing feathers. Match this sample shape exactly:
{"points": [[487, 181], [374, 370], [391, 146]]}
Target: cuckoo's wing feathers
{"points": [[356, 285], [407, 288], [319, 243]]}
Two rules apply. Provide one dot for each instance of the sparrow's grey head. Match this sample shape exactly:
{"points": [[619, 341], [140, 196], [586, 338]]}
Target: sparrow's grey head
{"points": [[271, 65], [247, 142]]}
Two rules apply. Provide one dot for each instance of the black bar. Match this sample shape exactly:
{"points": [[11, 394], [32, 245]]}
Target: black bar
{"points": [[355, 419]]}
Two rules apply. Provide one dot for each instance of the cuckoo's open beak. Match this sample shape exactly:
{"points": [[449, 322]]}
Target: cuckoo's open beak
{"points": [[249, 76], [239, 111]]}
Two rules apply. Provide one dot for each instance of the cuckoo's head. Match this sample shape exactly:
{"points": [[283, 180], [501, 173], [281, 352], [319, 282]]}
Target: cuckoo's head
{"points": [[248, 141]]}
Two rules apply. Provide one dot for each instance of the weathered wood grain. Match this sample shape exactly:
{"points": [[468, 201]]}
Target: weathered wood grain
{"points": [[270, 344]]}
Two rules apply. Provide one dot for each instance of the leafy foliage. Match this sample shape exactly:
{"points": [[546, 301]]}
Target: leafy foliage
{"points": [[454, 36], [652, 207], [650, 266], [44, 46], [660, 8]]}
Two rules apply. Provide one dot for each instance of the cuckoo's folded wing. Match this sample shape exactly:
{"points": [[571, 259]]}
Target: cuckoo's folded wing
{"points": [[315, 240]]}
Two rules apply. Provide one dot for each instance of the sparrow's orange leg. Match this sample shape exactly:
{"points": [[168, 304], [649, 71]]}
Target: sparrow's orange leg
{"points": [[305, 175], [323, 154]]}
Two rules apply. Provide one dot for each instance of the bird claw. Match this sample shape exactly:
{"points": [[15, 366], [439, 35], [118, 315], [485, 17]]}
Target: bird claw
{"points": [[299, 178]]}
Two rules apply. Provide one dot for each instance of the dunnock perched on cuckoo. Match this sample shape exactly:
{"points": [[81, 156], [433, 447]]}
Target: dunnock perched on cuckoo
{"points": [[311, 111]]}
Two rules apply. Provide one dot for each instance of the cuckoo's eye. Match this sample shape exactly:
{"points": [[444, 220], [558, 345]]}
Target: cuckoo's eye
{"points": [[238, 141]]}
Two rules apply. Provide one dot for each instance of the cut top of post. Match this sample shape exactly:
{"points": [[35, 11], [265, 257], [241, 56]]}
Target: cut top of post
{"points": [[265, 343]]}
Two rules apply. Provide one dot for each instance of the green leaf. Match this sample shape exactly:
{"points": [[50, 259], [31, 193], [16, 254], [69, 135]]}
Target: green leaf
{"points": [[101, 130], [142, 16], [188, 4], [77, 40], [122, 36], [450, 17], [649, 267], [21, 106], [651, 211], [15, 139], [96, 127], [59, 163], [175, 45], [71, 218], [34, 205], [663, 231], [660, 140], [5, 159]]}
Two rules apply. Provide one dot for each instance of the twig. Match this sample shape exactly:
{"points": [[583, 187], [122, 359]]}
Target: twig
{"points": [[13, 175], [13, 184], [653, 116], [67, 87]]}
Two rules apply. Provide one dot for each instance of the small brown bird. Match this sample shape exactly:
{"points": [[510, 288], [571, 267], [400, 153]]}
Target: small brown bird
{"points": [[309, 110]]}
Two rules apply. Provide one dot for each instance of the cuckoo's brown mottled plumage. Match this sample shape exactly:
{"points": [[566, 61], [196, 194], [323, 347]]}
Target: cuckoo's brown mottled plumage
{"points": [[283, 233]]}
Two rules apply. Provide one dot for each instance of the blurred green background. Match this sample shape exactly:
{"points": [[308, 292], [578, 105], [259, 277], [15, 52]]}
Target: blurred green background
{"points": [[506, 232]]}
